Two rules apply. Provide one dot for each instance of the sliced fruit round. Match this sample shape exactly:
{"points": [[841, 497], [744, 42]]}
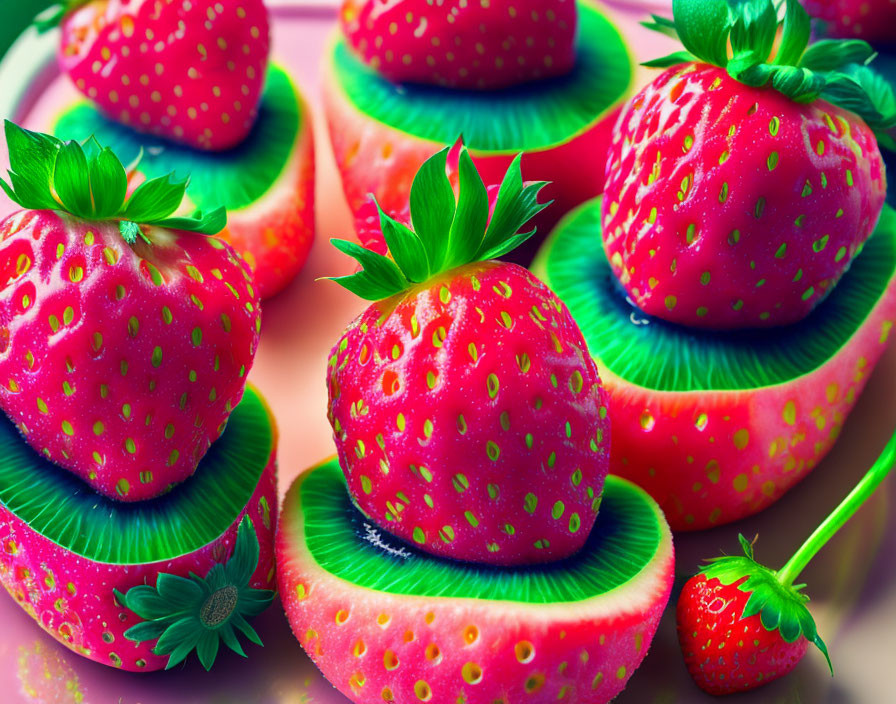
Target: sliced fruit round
{"points": [[717, 426], [266, 182], [386, 622], [383, 132], [65, 550]]}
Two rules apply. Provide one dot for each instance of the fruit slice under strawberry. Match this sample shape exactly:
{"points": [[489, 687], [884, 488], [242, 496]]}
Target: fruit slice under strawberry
{"points": [[189, 71], [741, 624], [468, 415], [125, 335], [460, 44], [740, 189]]}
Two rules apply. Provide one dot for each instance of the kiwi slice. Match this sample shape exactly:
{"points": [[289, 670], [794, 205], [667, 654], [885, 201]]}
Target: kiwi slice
{"points": [[68, 512], [629, 534], [654, 354], [530, 117], [234, 178]]}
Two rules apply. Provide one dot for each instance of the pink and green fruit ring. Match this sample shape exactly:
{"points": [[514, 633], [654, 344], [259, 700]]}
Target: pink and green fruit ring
{"points": [[719, 425], [111, 581], [387, 622], [266, 182], [383, 132]]}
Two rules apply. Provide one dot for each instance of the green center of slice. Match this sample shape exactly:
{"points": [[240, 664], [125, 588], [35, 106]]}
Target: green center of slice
{"points": [[658, 355], [234, 178], [64, 509], [628, 535], [529, 117]]}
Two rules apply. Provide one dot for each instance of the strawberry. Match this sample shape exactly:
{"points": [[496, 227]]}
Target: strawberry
{"points": [[460, 44], [468, 415], [188, 70], [123, 346], [873, 20], [739, 190], [741, 624]]}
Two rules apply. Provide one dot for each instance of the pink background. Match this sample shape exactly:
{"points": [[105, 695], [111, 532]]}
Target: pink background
{"points": [[853, 582]]}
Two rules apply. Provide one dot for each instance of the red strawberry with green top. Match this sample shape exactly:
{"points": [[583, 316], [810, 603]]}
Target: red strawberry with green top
{"points": [[741, 624], [468, 415], [125, 336], [874, 20], [191, 71], [460, 44], [739, 190]]}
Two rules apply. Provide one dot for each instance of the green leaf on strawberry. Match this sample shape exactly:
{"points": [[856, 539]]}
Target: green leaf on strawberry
{"points": [[831, 69], [199, 613], [780, 607], [90, 182], [447, 232]]}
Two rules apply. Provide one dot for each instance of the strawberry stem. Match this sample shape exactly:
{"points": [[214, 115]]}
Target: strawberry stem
{"points": [[864, 489]]}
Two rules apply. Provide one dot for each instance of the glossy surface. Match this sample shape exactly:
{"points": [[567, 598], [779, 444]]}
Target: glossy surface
{"points": [[853, 580]]}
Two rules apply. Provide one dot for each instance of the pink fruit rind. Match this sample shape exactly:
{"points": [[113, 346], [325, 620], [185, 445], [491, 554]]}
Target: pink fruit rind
{"points": [[275, 233], [728, 206], [375, 158], [188, 71], [71, 596], [712, 457], [449, 406], [463, 45], [376, 646]]}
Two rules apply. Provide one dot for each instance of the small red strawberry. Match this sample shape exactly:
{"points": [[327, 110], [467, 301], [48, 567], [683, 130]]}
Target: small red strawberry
{"points": [[125, 338], [873, 20], [742, 625], [739, 190], [459, 44], [187, 70], [468, 415]]}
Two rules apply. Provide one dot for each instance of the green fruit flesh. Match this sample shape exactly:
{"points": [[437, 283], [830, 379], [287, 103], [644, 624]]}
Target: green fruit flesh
{"points": [[66, 511], [657, 355], [234, 178], [628, 535], [530, 117]]}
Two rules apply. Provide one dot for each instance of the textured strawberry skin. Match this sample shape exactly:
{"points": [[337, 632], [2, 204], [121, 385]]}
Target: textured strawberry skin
{"points": [[121, 364], [874, 20], [470, 420], [459, 44], [188, 71], [728, 206], [725, 653]]}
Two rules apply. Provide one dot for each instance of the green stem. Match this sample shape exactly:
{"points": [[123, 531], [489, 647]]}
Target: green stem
{"points": [[834, 522]]}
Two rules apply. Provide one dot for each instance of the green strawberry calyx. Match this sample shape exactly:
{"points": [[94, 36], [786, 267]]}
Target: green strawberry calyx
{"points": [[834, 70], [781, 607], [447, 232], [88, 181], [199, 613]]}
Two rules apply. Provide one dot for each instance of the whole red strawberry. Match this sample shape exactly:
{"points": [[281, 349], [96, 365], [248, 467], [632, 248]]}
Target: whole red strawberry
{"points": [[741, 624], [737, 192], [187, 70], [125, 336], [873, 20], [460, 44], [468, 415]]}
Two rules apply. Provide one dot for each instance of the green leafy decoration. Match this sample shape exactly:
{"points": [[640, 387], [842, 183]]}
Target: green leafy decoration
{"points": [[88, 181], [835, 70], [447, 232], [780, 607], [186, 614]]}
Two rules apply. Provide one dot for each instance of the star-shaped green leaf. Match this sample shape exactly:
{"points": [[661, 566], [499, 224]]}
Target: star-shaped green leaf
{"points": [[88, 181], [447, 232], [198, 613]]}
